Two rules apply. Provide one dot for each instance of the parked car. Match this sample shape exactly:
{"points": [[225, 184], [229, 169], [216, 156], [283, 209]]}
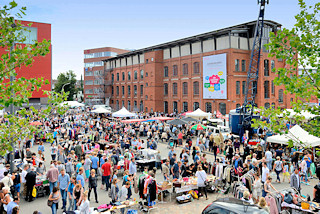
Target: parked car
{"points": [[232, 206]]}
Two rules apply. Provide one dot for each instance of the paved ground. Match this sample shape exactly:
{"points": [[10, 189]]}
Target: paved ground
{"points": [[194, 207]]}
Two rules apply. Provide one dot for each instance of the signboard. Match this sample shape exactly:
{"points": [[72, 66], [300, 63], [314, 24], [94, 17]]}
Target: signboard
{"points": [[215, 76]]}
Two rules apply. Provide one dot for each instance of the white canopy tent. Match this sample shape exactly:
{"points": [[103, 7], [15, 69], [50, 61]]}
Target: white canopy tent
{"points": [[101, 110], [72, 104], [304, 113], [298, 135], [198, 114], [123, 113]]}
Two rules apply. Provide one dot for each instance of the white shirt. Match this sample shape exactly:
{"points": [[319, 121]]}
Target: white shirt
{"points": [[265, 171], [268, 155], [201, 176], [23, 176]]}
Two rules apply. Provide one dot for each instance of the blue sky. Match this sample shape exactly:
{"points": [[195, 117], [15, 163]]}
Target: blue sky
{"points": [[134, 24]]}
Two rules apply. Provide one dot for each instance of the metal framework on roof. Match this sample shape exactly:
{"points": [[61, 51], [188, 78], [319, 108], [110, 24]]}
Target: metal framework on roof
{"points": [[216, 33]]}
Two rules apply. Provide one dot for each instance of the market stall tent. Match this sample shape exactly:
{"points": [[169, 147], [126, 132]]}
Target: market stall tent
{"points": [[72, 104], [198, 114], [123, 113], [101, 110]]}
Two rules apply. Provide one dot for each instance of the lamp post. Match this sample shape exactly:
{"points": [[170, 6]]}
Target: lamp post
{"points": [[68, 83]]}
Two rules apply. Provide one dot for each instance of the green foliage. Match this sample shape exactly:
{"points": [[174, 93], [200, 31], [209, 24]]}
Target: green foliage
{"points": [[66, 82], [298, 46]]}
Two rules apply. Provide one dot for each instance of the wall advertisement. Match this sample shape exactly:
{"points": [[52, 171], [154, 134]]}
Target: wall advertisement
{"points": [[215, 76]]}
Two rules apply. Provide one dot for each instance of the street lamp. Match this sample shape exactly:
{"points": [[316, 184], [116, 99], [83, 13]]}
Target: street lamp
{"points": [[68, 83]]}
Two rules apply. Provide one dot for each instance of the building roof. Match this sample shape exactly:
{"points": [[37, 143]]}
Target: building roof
{"points": [[203, 36]]}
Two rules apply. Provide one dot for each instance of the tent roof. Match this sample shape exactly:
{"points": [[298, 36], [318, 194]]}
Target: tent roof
{"points": [[100, 110], [123, 113], [72, 103], [198, 113], [177, 122]]}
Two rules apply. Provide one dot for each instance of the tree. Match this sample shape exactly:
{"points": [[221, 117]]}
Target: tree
{"points": [[66, 82], [299, 46], [14, 127]]}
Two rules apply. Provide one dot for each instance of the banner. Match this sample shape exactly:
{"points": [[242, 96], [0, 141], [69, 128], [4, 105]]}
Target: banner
{"points": [[215, 76]]}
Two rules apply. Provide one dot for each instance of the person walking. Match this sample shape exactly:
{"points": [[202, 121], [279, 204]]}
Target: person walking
{"points": [[267, 187], [278, 168], [80, 178], [295, 181], [63, 183], [114, 190], [202, 177], [31, 181], [77, 194], [87, 166], [123, 193], [52, 176], [70, 193], [257, 188], [84, 207], [93, 184], [106, 171], [54, 197]]}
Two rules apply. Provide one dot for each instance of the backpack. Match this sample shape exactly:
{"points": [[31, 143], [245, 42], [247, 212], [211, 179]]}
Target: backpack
{"points": [[113, 160]]}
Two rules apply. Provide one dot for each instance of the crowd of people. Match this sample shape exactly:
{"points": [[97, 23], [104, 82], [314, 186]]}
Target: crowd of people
{"points": [[91, 152]]}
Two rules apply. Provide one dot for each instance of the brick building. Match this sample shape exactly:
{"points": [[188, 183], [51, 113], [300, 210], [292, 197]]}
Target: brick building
{"points": [[169, 77], [42, 66], [94, 74]]}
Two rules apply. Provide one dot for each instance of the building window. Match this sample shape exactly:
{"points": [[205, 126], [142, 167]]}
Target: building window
{"points": [[254, 87], [141, 90], [174, 88], [135, 90], [147, 61], [129, 105], [165, 89], [117, 104], [195, 88], [123, 76], [89, 91], [273, 65], [146, 74], [118, 78], [166, 71], [122, 103], [185, 106], [236, 65], [175, 106], [88, 82], [129, 75], [243, 65], [273, 105], [112, 77], [195, 106], [135, 106], [244, 87], [196, 67], [272, 87], [185, 88], [223, 108], [266, 67], [117, 91], [238, 105], [129, 90], [112, 90], [141, 74], [141, 106], [88, 73], [175, 70], [266, 89], [135, 75], [267, 105], [237, 87], [165, 106], [281, 96], [122, 90], [30, 35], [208, 107], [185, 69]]}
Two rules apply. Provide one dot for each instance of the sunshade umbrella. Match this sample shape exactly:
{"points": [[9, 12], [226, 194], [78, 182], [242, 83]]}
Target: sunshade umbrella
{"points": [[36, 123], [198, 127], [189, 119], [176, 122]]}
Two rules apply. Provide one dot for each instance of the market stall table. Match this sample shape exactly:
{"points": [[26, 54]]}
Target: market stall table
{"points": [[42, 186], [143, 163]]}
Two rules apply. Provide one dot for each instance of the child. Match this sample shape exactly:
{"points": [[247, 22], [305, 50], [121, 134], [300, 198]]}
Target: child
{"points": [[286, 173]]}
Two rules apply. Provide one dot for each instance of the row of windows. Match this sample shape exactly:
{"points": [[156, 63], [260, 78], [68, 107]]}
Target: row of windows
{"points": [[185, 71], [94, 91], [93, 82], [135, 105], [100, 54], [184, 88], [265, 65], [135, 90], [135, 75], [195, 106], [93, 73], [93, 64]]}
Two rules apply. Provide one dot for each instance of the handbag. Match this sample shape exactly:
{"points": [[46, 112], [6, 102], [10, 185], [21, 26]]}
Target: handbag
{"points": [[50, 203], [206, 183], [288, 198], [34, 192]]}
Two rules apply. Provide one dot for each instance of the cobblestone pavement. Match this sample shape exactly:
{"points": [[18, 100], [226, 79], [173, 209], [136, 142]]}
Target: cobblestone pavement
{"points": [[172, 207]]}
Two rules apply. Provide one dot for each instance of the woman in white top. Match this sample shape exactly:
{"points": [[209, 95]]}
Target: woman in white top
{"points": [[278, 168], [202, 177], [84, 207], [257, 188]]}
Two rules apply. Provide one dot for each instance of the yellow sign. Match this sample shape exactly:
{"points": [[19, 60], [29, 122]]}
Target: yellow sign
{"points": [[220, 73], [211, 89]]}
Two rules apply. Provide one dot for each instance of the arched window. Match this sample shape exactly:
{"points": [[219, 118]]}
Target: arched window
{"points": [[165, 106], [244, 87], [281, 96], [272, 65], [141, 106], [165, 71], [112, 77], [237, 87], [117, 104], [117, 91], [185, 88], [185, 106], [135, 75], [266, 89], [165, 89], [223, 108], [123, 76], [195, 106], [135, 89], [175, 70], [175, 106], [267, 105], [129, 75], [122, 87], [174, 88], [208, 107], [243, 65], [196, 88], [129, 105], [135, 106], [112, 90], [273, 105], [266, 67], [129, 90], [196, 67], [185, 69], [122, 103], [141, 74]]}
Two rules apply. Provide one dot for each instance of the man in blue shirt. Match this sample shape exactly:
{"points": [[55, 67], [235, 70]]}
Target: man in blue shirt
{"points": [[63, 183], [80, 178], [171, 152], [12, 204], [132, 167], [70, 193], [95, 161], [196, 157]]}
